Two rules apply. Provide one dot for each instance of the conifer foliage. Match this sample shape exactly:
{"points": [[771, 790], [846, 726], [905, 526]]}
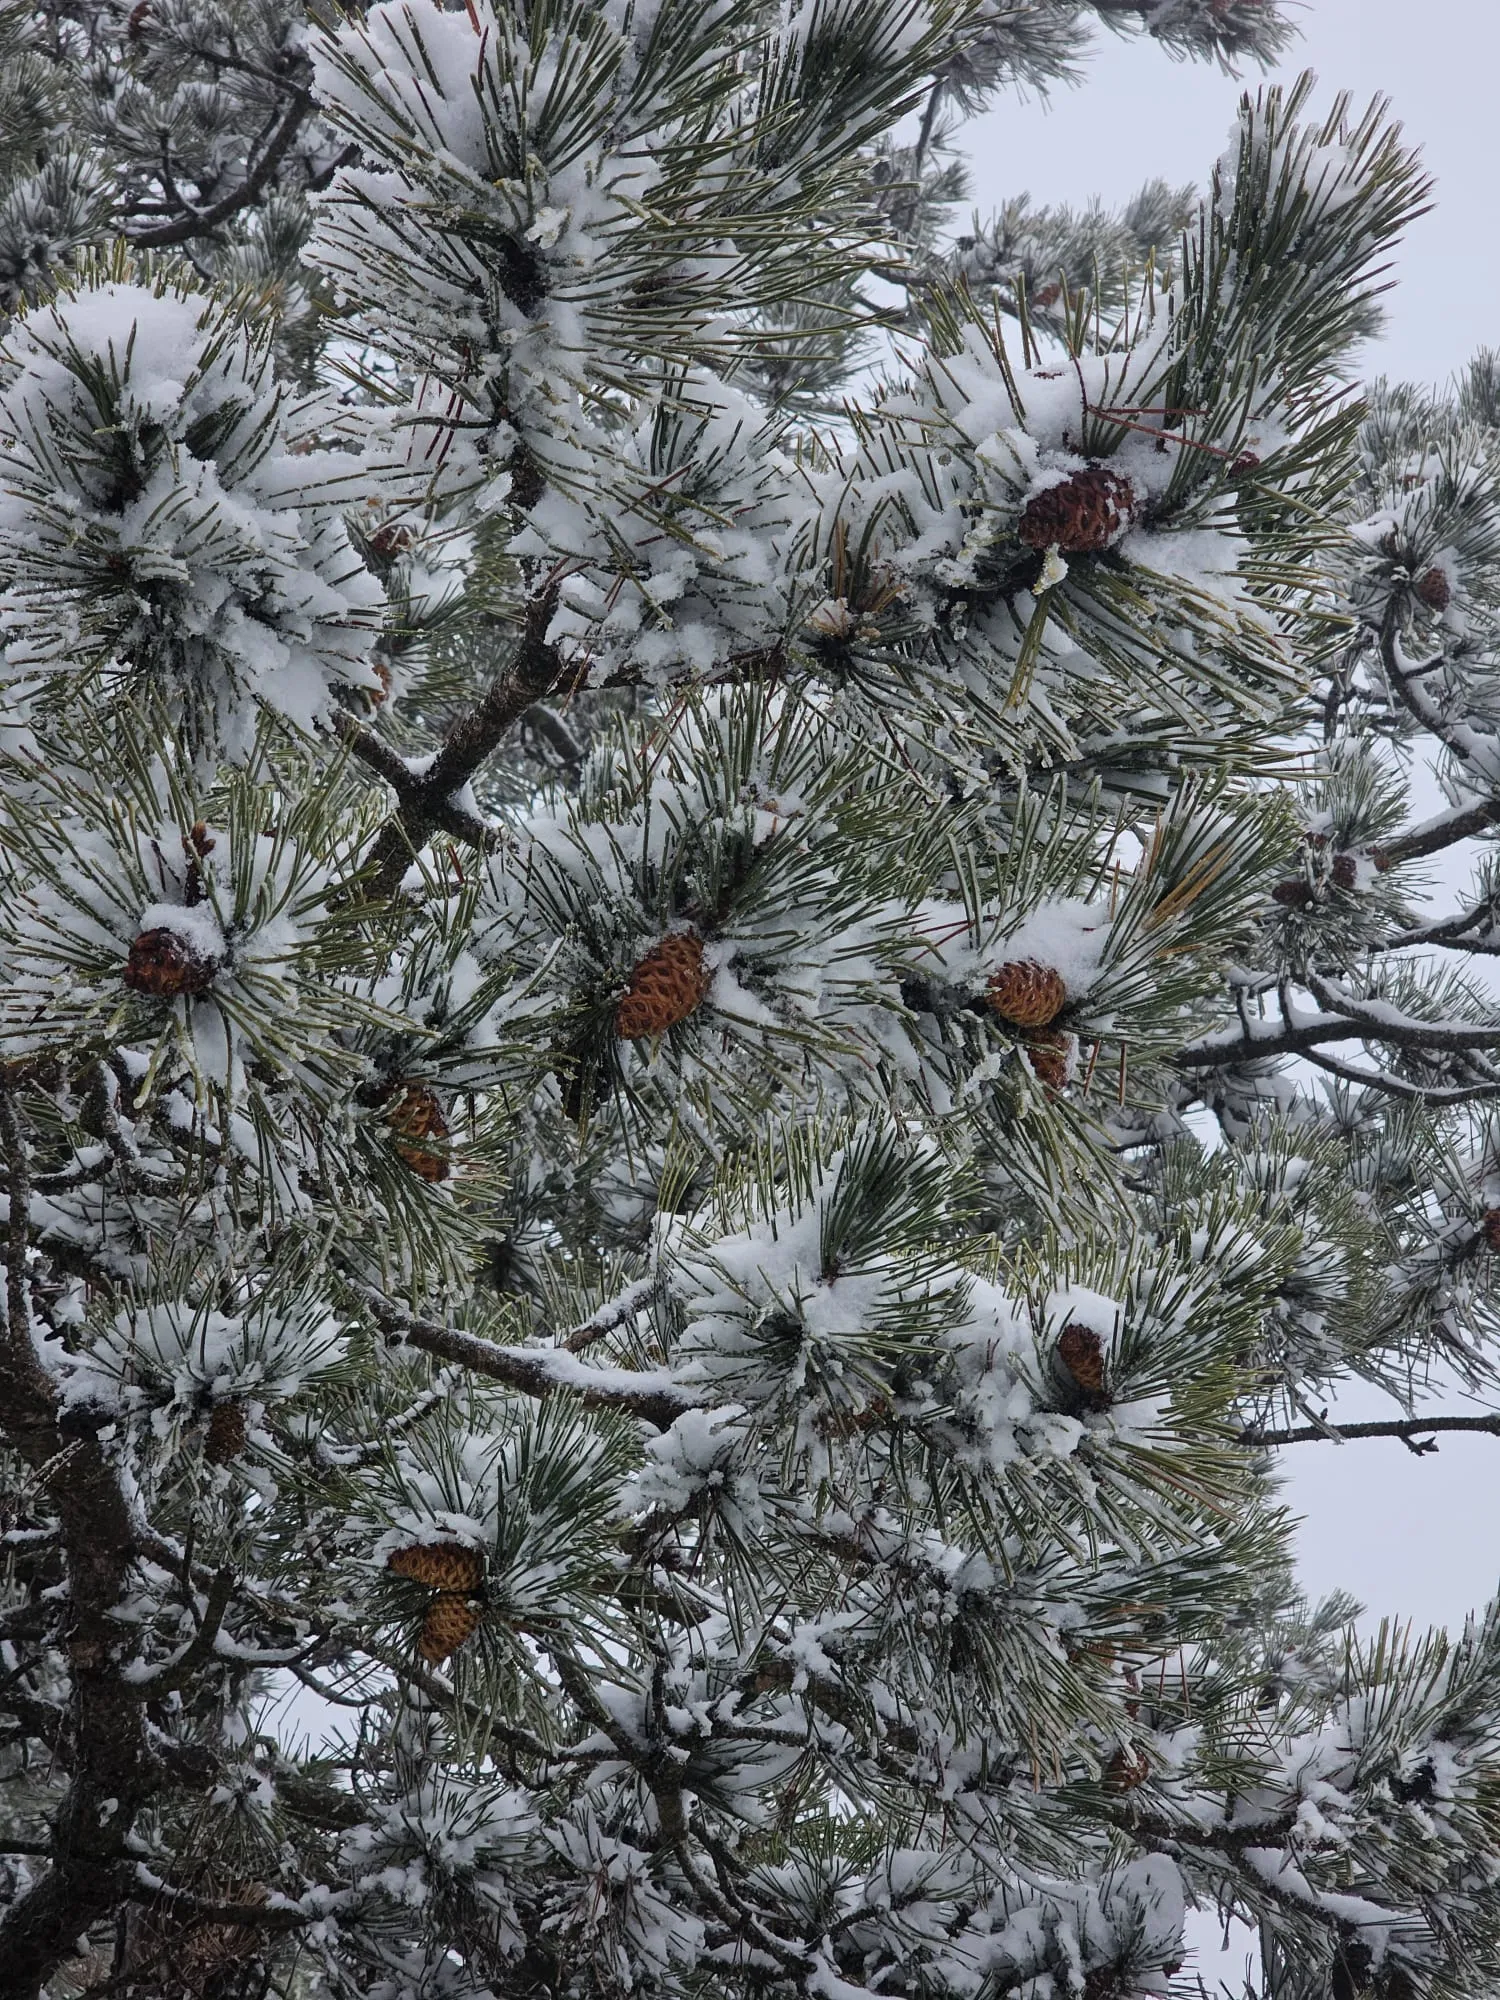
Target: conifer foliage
{"points": [[709, 1014]]}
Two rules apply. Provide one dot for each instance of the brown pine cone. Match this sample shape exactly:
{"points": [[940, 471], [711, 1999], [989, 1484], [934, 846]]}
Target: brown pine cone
{"points": [[164, 964], [668, 984], [1081, 1353], [451, 1620], [227, 1432], [420, 1131], [1026, 994], [1434, 589], [1080, 515], [1489, 1227], [440, 1565], [1345, 871]]}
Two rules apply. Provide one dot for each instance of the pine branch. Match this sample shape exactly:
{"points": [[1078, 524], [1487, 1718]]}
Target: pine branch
{"points": [[1442, 831], [656, 1397], [533, 672], [242, 1916], [407, 784], [1450, 933], [1396, 1086], [1295, 1033], [178, 1673], [613, 1313], [550, 726], [1466, 744], [1408, 1429], [203, 221], [1376, 1020]]}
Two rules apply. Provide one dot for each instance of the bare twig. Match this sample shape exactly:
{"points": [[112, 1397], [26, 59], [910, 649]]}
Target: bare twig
{"points": [[1468, 745], [408, 784], [1433, 835], [533, 672], [243, 1916], [1347, 1020], [550, 726], [1408, 1429], [1395, 1086], [178, 1673], [612, 1314]]}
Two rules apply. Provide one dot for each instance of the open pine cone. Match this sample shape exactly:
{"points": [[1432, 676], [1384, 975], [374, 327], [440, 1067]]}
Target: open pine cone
{"points": [[666, 986]]}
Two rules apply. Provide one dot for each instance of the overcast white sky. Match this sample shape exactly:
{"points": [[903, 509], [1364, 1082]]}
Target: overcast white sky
{"points": [[1138, 115]]}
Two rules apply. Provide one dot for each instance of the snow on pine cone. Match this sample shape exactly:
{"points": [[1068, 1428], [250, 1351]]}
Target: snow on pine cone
{"points": [[1081, 514], [165, 964], [227, 1433], [420, 1132], [1127, 1770], [447, 1566], [666, 986], [451, 1620], [1026, 994], [1081, 1353]]}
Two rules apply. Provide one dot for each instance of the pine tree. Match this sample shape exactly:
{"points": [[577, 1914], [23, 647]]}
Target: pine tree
{"points": [[710, 1013]]}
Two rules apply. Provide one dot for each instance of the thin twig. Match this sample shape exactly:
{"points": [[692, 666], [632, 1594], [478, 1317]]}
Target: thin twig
{"points": [[1408, 1429]]}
